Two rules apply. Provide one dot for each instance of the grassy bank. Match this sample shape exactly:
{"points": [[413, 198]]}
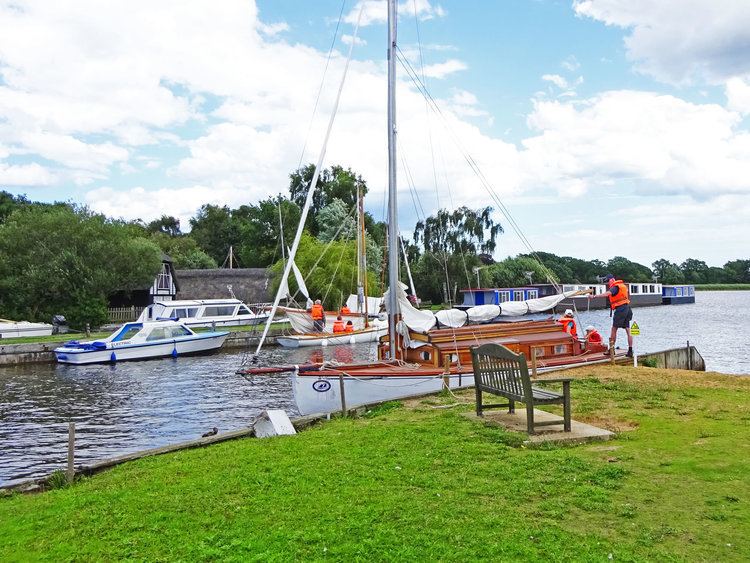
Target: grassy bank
{"points": [[416, 482], [722, 287]]}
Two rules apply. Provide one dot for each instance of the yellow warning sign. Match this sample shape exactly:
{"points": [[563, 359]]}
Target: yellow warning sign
{"points": [[635, 330]]}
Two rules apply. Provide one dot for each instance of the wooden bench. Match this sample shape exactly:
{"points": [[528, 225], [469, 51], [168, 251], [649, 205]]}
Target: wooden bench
{"points": [[499, 371]]}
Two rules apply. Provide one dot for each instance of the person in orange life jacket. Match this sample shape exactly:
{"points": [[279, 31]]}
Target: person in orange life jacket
{"points": [[345, 310], [338, 325], [349, 327], [569, 323], [592, 336], [619, 301], [318, 315]]}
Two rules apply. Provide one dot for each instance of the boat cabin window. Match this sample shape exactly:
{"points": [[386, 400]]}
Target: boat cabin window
{"points": [[426, 356], [244, 310], [219, 311], [175, 331], [158, 333], [504, 296], [184, 313], [518, 296], [634, 288], [533, 294], [562, 349], [127, 333]]}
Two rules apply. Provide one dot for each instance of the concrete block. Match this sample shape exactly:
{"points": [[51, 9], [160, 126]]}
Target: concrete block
{"points": [[274, 422]]}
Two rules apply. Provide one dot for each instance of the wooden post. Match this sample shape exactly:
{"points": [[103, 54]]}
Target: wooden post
{"points": [[689, 357], [343, 394], [71, 473], [533, 362], [88, 330], [612, 351]]}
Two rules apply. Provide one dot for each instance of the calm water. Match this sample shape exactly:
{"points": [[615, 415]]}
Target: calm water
{"points": [[136, 405]]}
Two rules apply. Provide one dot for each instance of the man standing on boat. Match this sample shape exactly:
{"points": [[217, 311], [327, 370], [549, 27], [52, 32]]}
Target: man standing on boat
{"points": [[318, 315], [619, 301]]}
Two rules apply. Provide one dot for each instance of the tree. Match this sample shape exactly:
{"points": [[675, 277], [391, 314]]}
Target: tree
{"points": [[628, 271], [333, 183], [511, 272], [62, 259], [667, 272], [334, 277], [9, 203], [215, 230], [464, 230], [738, 271], [184, 252], [260, 244], [694, 270], [167, 225], [439, 277]]}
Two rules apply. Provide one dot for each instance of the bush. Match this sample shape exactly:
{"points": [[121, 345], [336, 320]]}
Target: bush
{"points": [[92, 311]]}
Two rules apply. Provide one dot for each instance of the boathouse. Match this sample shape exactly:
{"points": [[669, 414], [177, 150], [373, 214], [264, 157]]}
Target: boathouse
{"points": [[163, 288]]}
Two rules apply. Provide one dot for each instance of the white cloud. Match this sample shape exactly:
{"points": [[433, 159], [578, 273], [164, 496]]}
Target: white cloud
{"points": [[738, 94], [680, 41], [376, 11], [658, 143], [441, 70], [557, 80], [347, 39], [273, 28], [25, 175], [570, 64]]}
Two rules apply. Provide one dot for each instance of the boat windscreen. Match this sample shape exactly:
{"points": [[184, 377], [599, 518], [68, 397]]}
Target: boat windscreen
{"points": [[127, 332]]}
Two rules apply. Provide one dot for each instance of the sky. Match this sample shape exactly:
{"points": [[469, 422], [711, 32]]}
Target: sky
{"points": [[605, 127]]}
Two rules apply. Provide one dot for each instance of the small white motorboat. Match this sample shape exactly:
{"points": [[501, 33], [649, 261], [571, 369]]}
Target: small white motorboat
{"points": [[141, 341], [16, 329]]}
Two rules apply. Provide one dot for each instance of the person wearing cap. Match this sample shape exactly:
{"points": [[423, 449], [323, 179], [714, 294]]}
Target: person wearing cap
{"points": [[619, 301], [592, 336], [569, 323], [318, 315]]}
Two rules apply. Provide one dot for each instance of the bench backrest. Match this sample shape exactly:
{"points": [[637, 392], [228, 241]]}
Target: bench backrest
{"points": [[500, 370]]}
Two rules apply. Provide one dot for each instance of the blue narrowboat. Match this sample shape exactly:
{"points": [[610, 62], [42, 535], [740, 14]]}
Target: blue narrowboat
{"points": [[496, 296], [677, 294]]}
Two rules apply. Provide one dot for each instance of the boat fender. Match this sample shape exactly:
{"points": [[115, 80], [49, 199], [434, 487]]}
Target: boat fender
{"points": [[324, 343], [174, 351], [112, 357], [352, 340]]}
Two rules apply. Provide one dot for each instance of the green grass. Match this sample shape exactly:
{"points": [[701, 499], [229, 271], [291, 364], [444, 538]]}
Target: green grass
{"points": [[413, 482], [722, 286]]}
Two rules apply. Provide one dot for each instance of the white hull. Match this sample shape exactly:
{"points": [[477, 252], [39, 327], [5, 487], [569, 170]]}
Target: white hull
{"points": [[323, 394], [17, 330], [176, 347], [359, 337]]}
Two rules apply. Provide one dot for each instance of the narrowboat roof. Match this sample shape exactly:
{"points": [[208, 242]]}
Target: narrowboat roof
{"points": [[475, 289]]}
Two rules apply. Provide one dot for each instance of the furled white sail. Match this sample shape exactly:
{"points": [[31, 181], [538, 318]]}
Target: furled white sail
{"points": [[420, 320]]}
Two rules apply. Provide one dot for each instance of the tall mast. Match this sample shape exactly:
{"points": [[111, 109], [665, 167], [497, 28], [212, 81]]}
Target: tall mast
{"points": [[393, 261]]}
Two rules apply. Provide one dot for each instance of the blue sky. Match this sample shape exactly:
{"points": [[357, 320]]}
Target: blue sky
{"points": [[606, 126]]}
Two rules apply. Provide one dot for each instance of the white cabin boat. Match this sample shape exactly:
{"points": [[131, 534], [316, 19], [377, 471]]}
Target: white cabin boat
{"points": [[141, 341], [16, 329], [204, 312]]}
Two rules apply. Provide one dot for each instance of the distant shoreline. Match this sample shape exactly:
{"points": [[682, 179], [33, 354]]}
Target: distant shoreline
{"points": [[722, 287]]}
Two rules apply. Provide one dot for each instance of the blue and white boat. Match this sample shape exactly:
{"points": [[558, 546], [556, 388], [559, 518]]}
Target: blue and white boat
{"points": [[141, 341]]}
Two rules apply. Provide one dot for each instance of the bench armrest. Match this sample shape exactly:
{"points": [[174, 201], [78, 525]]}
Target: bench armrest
{"points": [[553, 380]]}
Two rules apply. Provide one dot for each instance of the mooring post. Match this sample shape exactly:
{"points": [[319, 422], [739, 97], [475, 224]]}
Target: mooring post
{"points": [[689, 357], [71, 473], [343, 394], [533, 362], [612, 351], [213, 326], [88, 330]]}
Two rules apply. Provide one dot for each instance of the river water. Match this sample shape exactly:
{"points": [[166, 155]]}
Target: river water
{"points": [[131, 406]]}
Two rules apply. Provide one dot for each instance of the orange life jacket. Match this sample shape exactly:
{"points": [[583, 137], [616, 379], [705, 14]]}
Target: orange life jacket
{"points": [[317, 313], [338, 326], [594, 337], [349, 328], [622, 294], [569, 326], [345, 310]]}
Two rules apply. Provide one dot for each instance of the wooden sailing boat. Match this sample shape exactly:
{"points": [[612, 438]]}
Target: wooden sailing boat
{"points": [[413, 362]]}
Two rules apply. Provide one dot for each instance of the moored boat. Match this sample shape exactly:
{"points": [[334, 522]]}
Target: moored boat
{"points": [[370, 334], [204, 312], [141, 341], [17, 329]]}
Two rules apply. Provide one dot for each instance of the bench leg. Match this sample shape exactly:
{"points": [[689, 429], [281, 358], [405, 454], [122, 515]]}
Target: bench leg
{"points": [[530, 418], [566, 406], [479, 399], [511, 406]]}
